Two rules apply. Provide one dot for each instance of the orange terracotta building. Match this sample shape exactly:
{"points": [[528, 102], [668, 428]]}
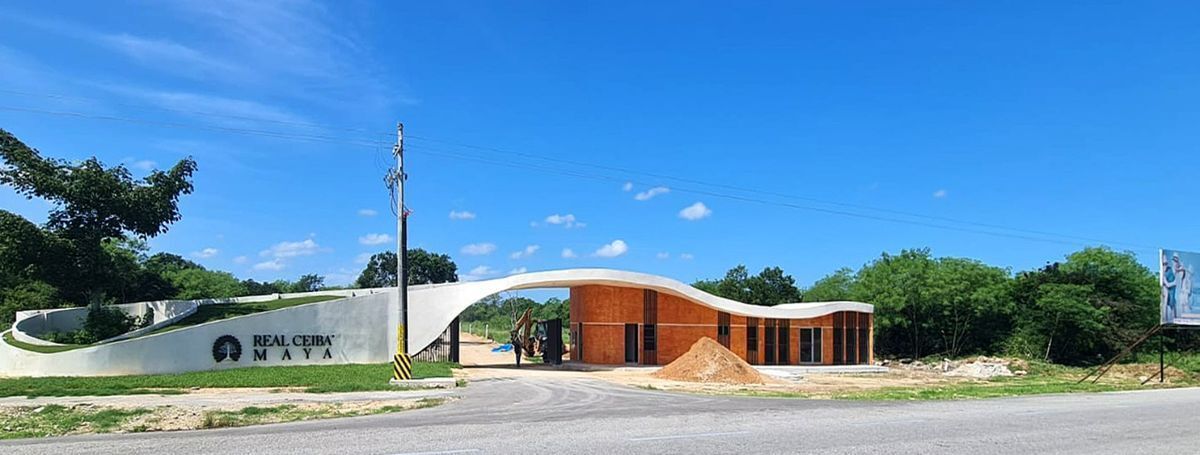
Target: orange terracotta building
{"points": [[616, 325]]}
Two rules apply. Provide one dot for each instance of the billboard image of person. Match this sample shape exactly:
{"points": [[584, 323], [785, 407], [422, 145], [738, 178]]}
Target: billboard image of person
{"points": [[1179, 305]]}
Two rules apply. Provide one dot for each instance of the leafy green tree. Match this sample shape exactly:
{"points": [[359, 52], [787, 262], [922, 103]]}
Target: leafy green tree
{"points": [[1122, 293], [203, 284], [260, 288], [308, 283], [898, 287], [971, 306], [423, 268], [832, 288], [769, 287], [29, 295], [94, 203]]}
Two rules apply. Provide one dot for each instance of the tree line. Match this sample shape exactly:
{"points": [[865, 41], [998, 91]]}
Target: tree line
{"points": [[1081, 310]]}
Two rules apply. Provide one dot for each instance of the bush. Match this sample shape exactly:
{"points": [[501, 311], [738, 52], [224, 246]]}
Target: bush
{"points": [[33, 295]]}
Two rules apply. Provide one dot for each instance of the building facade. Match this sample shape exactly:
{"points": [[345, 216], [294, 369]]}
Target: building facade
{"points": [[616, 325]]}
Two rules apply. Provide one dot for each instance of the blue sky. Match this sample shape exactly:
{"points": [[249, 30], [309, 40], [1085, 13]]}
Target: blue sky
{"points": [[847, 130]]}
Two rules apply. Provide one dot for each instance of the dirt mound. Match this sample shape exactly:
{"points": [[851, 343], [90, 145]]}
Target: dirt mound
{"points": [[1143, 371], [708, 361]]}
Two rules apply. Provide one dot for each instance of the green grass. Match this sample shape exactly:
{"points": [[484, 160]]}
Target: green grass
{"points": [[8, 338], [290, 413], [310, 378], [995, 388], [219, 311], [55, 420]]}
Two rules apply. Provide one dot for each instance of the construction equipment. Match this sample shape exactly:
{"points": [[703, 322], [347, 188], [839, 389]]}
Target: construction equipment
{"points": [[531, 338]]}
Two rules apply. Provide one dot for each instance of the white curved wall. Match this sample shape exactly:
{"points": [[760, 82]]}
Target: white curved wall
{"points": [[432, 307], [358, 338]]}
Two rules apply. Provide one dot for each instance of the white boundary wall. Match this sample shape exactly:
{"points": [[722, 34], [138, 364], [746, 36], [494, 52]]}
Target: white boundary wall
{"points": [[354, 324]]}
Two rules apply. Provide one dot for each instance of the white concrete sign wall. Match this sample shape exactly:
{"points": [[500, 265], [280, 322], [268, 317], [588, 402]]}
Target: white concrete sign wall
{"points": [[351, 330]]}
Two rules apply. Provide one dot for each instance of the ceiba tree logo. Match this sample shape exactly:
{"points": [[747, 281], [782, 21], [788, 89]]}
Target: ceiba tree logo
{"points": [[227, 347]]}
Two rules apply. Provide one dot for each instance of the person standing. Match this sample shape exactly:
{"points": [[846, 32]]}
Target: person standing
{"points": [[1169, 285]]}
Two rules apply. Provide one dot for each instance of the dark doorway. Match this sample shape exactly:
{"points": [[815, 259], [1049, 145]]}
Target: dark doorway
{"points": [[784, 342], [631, 343]]}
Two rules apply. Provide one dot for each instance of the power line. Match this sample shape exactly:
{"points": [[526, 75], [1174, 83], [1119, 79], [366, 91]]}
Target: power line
{"points": [[773, 193], [454, 154], [448, 154]]}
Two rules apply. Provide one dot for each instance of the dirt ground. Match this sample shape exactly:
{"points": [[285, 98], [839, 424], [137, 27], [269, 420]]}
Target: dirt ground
{"points": [[480, 363]]}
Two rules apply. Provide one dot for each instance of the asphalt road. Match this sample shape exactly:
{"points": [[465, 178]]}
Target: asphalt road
{"points": [[587, 416]]}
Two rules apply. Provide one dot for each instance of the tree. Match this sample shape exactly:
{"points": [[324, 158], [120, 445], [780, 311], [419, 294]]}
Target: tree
{"points": [[898, 287], [94, 203], [423, 268], [1052, 320], [198, 283], [308, 283], [769, 287], [833, 287], [971, 306], [258, 288]]}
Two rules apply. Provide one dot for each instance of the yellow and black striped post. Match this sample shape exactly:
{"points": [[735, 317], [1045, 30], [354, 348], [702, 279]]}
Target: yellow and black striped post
{"points": [[401, 363]]}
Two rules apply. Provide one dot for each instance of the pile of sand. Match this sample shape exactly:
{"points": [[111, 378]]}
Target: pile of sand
{"points": [[708, 361]]}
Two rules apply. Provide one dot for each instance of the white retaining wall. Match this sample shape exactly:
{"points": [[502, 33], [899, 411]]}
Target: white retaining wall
{"points": [[357, 327]]}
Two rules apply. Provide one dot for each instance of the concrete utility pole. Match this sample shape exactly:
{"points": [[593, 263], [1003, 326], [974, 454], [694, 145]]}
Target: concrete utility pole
{"points": [[401, 363]]}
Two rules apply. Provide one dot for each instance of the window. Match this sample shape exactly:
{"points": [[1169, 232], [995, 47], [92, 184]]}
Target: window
{"points": [[769, 341], [723, 328], [810, 345], [864, 338], [752, 340], [649, 338], [851, 339], [839, 338]]}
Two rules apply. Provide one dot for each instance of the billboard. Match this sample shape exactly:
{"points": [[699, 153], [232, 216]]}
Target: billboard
{"points": [[1179, 305]]}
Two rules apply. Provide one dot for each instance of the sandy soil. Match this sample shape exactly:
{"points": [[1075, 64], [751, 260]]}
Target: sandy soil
{"points": [[479, 363]]}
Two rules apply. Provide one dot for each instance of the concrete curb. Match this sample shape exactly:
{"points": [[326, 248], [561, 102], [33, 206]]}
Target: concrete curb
{"points": [[427, 383]]}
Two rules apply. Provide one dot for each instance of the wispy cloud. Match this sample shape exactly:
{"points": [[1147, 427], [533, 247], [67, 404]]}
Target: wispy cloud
{"points": [[362, 258], [478, 249], [527, 252], [568, 221], [461, 215], [240, 260], [141, 165], [518, 270], [695, 212], [478, 273], [686, 256], [305, 247], [272, 265], [941, 193], [205, 253], [627, 187], [568, 253], [663, 255], [374, 239], [650, 193], [367, 212], [612, 249]]}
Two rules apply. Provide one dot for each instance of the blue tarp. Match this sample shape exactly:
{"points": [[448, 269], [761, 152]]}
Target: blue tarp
{"points": [[503, 348]]}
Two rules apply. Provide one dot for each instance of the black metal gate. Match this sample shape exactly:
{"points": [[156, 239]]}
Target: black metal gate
{"points": [[444, 348]]}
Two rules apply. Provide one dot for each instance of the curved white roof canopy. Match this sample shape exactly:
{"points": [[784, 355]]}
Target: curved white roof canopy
{"points": [[432, 307]]}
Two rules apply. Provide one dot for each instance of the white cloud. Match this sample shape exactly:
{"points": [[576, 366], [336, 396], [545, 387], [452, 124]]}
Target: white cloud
{"points": [[463, 215], [568, 221], [518, 270], [205, 253], [374, 239], [612, 250], [941, 193], [165, 54], [478, 273], [362, 258], [240, 260], [628, 186], [567, 253], [650, 193], [274, 264], [686, 256], [527, 252], [141, 165], [367, 212], [695, 212], [292, 249], [478, 249], [663, 255]]}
